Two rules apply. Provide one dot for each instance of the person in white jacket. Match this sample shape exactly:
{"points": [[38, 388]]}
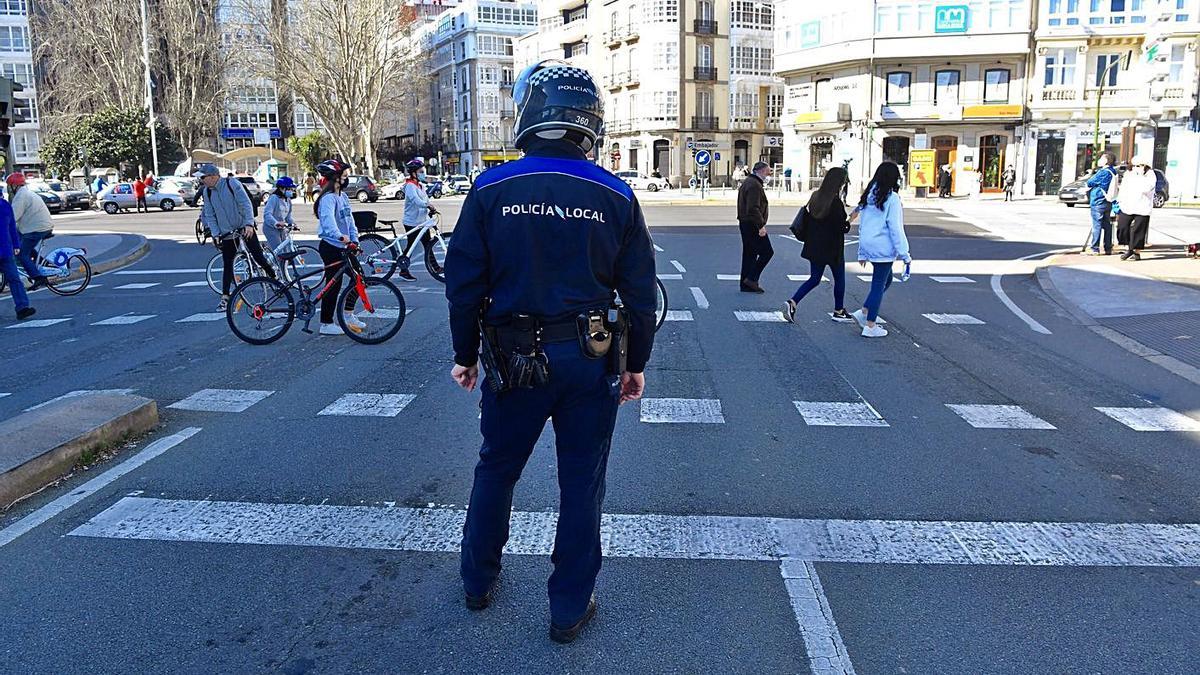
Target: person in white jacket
{"points": [[277, 214], [881, 241], [1135, 195], [33, 223], [416, 209]]}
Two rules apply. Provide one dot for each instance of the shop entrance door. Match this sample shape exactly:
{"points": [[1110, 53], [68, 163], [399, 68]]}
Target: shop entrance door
{"points": [[1049, 166], [947, 153], [991, 160], [820, 154]]}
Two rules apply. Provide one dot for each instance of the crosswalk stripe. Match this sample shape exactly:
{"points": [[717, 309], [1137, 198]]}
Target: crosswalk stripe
{"points": [[202, 316], [839, 414], [769, 317], [194, 270], [221, 400], [962, 319], [728, 277], [681, 411], [864, 277], [191, 284], [658, 248], [804, 277], [77, 393], [38, 323], [670, 277], [124, 319], [983, 416], [953, 280], [678, 315], [135, 287], [368, 405], [678, 266], [699, 297], [1152, 419]]}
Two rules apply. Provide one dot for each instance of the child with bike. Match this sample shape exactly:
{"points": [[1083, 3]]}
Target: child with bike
{"points": [[335, 227], [228, 214], [277, 214], [416, 210]]}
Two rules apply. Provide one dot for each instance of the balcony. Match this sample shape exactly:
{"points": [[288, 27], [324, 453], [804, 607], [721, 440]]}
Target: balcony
{"points": [[506, 84], [743, 124], [704, 73], [1115, 94], [632, 78], [1175, 93], [706, 123], [704, 27], [1058, 94], [618, 126], [772, 124]]}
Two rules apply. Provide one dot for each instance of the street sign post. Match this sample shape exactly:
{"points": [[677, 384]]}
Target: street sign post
{"points": [[703, 157]]}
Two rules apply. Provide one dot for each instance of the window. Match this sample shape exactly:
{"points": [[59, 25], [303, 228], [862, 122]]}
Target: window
{"points": [[704, 104], [493, 45], [253, 95], [661, 10], [704, 56], [821, 93], [1117, 11], [507, 16], [575, 49], [666, 55], [14, 39], [464, 76], [945, 87], [21, 73], [633, 106], [899, 88], [465, 108], [268, 120], [25, 109], [705, 10], [774, 106], [1175, 72], [1060, 67], [752, 14], [1107, 66], [578, 14], [995, 86], [25, 145], [633, 59], [489, 104], [743, 106], [1181, 15], [487, 74], [665, 105], [750, 60], [12, 7]]}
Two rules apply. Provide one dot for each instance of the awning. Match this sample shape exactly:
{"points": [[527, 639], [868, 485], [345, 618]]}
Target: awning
{"points": [[820, 127]]}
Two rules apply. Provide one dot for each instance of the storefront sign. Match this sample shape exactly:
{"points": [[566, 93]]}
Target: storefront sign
{"points": [[815, 117], [244, 132], [810, 34], [635, 143], [951, 19], [918, 112], [977, 111], [773, 142], [921, 171]]}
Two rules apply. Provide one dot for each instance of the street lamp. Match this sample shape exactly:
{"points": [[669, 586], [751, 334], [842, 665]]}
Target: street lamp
{"points": [[149, 87]]}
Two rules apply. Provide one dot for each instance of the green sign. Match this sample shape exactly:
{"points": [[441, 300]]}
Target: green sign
{"points": [[810, 34], [1173, 163]]}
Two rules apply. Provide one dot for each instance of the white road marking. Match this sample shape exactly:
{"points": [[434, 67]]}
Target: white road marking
{"points": [[677, 266], [827, 654], [5, 393], [953, 280], [682, 411], [965, 319], [769, 317], [203, 316], [728, 277], [804, 277], [999, 416], [197, 270], [124, 319], [369, 405], [1152, 419], [658, 248], [864, 277], [38, 323], [678, 315], [77, 393], [998, 289], [670, 277], [701, 299], [45, 513], [191, 284], [135, 287], [839, 414], [221, 400]]}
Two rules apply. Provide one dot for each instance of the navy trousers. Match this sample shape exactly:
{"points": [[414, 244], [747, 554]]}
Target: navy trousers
{"points": [[581, 400]]}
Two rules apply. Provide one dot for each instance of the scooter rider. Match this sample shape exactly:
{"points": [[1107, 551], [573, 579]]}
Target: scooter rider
{"points": [[540, 247], [416, 210]]}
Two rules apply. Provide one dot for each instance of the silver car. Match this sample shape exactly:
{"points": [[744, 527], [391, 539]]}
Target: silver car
{"points": [[119, 197]]}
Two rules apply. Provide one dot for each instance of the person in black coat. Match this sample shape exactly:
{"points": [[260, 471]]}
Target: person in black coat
{"points": [[825, 226], [945, 180]]}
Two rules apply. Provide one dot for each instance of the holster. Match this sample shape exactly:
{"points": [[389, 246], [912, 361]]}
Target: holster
{"points": [[492, 359], [617, 323]]}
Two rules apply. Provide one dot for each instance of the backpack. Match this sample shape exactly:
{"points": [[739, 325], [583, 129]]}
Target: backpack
{"points": [[253, 201], [1110, 195], [799, 226]]}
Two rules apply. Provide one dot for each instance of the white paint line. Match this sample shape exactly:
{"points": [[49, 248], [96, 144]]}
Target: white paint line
{"points": [[221, 400], [701, 299], [203, 316], [124, 319], [38, 323], [838, 414], [197, 270], [678, 315], [804, 277], [369, 405], [135, 287], [964, 319], [678, 266], [5, 393], [77, 393], [728, 277], [682, 411], [671, 277], [827, 654], [191, 284], [998, 416], [864, 277], [694, 537], [658, 248], [953, 280], [1152, 419], [45, 513], [769, 317], [998, 289]]}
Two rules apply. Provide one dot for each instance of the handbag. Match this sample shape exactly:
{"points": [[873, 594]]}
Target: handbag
{"points": [[799, 226]]}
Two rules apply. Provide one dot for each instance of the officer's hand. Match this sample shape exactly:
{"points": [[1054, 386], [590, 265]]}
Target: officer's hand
{"points": [[465, 377], [762, 231], [633, 385]]}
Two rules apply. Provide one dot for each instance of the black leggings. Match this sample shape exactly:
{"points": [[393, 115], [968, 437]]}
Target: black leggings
{"points": [[331, 254], [229, 250]]}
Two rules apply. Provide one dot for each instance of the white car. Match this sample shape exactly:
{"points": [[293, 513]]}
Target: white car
{"points": [[115, 198], [640, 181], [392, 190], [459, 184]]}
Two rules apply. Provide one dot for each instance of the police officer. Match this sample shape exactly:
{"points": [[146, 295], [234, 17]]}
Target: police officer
{"points": [[541, 245]]}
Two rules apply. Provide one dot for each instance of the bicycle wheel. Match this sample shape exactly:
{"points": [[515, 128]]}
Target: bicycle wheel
{"points": [[215, 269], [435, 258], [380, 317], [201, 231], [73, 276], [378, 259], [296, 266], [660, 306], [260, 310]]}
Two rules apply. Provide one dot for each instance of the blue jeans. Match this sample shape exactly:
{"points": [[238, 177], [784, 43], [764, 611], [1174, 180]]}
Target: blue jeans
{"points": [[837, 270], [16, 285], [1101, 222], [581, 400], [881, 280], [29, 244]]}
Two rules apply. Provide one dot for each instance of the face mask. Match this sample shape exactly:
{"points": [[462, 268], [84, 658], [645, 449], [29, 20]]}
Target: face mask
{"points": [[289, 193], [420, 175], [345, 183]]}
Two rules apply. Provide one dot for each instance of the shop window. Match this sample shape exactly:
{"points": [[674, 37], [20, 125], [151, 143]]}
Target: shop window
{"points": [[995, 85], [899, 88], [945, 91]]}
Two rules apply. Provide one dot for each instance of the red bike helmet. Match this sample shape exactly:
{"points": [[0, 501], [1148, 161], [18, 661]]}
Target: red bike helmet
{"points": [[15, 179]]}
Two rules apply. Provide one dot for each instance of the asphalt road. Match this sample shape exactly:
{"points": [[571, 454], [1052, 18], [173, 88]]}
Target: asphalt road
{"points": [[886, 533]]}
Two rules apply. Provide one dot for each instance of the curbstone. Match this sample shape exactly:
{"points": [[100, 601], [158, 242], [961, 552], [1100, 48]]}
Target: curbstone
{"points": [[142, 249]]}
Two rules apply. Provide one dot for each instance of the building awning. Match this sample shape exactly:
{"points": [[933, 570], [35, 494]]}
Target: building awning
{"points": [[499, 158], [819, 127]]}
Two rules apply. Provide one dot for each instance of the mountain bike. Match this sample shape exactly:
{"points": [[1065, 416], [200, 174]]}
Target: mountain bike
{"points": [[202, 233], [65, 268], [383, 257], [244, 266], [262, 309], [660, 305]]}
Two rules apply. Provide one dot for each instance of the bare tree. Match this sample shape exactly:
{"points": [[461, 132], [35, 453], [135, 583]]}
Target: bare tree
{"points": [[192, 64]]}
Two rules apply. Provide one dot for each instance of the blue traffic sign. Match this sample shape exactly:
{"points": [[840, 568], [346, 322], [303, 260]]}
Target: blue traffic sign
{"points": [[703, 157], [717, 156]]}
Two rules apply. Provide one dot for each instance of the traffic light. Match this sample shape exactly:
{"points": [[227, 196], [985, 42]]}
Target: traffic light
{"points": [[7, 88]]}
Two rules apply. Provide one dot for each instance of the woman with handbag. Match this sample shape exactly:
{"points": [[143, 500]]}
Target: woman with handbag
{"points": [[1135, 195], [822, 226]]}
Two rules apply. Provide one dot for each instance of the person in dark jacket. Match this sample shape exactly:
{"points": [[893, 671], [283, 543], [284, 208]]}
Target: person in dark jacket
{"points": [[825, 224], [752, 223], [10, 241], [1101, 208], [945, 181]]}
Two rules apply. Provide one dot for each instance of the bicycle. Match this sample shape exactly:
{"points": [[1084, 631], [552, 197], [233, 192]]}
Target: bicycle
{"points": [[382, 256], [291, 267], [245, 267], [66, 269], [267, 308], [660, 306], [202, 233]]}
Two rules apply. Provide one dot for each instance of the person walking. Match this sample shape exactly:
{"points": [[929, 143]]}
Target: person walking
{"points": [[787, 179], [417, 210], [335, 227], [564, 351], [1100, 205], [227, 213], [752, 223], [825, 226], [309, 184], [139, 193], [1135, 196], [1008, 181], [33, 223], [277, 214], [945, 181], [10, 243], [881, 241]]}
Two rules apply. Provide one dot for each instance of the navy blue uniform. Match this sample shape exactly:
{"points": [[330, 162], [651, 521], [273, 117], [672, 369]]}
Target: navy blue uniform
{"points": [[549, 235]]}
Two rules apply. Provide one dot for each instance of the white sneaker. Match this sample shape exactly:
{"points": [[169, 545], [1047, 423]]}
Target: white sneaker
{"points": [[330, 329], [859, 317], [874, 331], [354, 324]]}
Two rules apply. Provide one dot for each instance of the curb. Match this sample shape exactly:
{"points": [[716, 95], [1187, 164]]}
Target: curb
{"points": [[35, 450], [1170, 363], [133, 256]]}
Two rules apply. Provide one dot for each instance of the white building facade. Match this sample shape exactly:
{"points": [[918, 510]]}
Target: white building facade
{"points": [[16, 63]]}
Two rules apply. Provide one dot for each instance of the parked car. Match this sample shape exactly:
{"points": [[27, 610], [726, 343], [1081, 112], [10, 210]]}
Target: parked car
{"points": [[392, 190], [115, 198], [71, 199], [362, 188], [252, 188], [1077, 192], [459, 184], [53, 201], [640, 181], [186, 187]]}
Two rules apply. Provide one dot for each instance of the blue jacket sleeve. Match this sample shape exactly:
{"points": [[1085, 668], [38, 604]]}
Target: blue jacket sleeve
{"points": [[242, 198], [635, 281], [9, 239], [327, 227], [467, 280], [1101, 179]]}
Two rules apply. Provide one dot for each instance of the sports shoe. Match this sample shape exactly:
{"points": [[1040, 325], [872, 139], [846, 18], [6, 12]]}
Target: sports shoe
{"points": [[1126, 255], [25, 313], [354, 324], [874, 331], [405, 275], [1135, 256], [224, 304], [40, 282], [330, 329], [841, 316], [789, 311], [859, 318]]}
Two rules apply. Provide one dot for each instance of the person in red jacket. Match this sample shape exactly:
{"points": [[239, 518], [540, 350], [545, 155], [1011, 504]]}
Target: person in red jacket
{"points": [[139, 192]]}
